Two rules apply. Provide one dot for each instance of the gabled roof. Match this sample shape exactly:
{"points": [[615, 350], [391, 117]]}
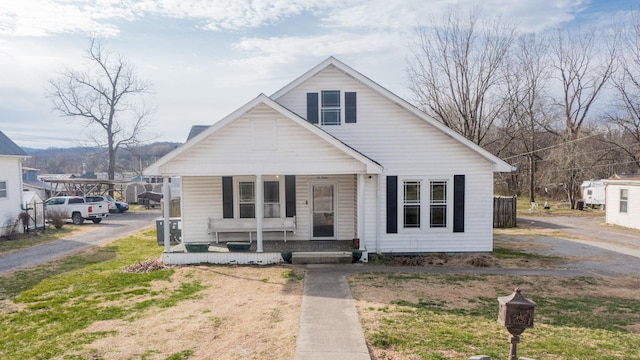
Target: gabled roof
{"points": [[499, 164], [8, 147], [372, 166]]}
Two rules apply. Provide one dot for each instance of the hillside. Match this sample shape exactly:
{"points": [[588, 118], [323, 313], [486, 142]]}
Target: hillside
{"points": [[80, 160]]}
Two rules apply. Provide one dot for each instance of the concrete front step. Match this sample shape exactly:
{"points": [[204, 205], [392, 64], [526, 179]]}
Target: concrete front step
{"points": [[329, 257]]}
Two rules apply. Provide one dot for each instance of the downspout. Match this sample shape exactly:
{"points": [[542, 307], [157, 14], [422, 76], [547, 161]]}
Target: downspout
{"points": [[259, 211], [166, 195]]}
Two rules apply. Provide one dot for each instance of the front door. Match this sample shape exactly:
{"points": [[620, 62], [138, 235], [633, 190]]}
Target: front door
{"points": [[323, 211]]}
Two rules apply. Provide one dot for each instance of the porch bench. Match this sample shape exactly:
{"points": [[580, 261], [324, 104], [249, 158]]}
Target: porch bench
{"points": [[217, 226]]}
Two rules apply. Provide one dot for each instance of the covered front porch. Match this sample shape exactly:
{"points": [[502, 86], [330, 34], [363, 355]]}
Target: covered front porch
{"points": [[317, 217]]}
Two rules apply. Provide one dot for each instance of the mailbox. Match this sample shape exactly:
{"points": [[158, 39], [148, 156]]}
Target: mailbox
{"points": [[516, 314]]}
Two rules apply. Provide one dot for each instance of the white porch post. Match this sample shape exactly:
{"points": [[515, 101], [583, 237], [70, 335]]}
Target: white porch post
{"points": [[361, 210], [379, 218], [166, 199], [259, 211]]}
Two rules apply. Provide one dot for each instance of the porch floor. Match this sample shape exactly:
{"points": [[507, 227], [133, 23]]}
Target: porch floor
{"points": [[280, 246]]}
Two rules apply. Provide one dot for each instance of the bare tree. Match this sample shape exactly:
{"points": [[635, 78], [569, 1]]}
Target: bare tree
{"points": [[582, 70], [526, 101], [108, 96], [456, 72], [625, 115]]}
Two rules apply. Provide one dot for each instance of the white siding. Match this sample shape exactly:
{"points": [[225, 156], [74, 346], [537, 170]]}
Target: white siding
{"points": [[11, 173], [613, 215], [201, 199], [407, 146], [291, 149]]}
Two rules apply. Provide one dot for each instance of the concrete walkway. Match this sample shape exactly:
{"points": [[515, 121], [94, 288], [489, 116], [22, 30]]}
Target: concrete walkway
{"points": [[329, 324]]}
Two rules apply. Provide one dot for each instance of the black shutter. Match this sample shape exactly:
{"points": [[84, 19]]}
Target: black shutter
{"points": [[290, 195], [227, 197], [458, 203], [312, 108], [349, 107], [392, 204]]}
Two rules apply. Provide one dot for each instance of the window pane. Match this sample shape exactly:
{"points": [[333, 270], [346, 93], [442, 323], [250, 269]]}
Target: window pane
{"points": [[438, 191], [247, 211], [331, 98], [438, 216], [412, 192], [330, 116], [246, 192], [412, 216], [271, 210], [3, 189], [271, 192]]}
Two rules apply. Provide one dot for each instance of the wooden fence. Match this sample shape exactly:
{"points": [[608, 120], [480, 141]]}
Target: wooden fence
{"points": [[504, 212]]}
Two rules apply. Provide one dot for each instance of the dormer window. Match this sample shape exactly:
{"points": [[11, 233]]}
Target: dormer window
{"points": [[327, 108], [330, 107]]}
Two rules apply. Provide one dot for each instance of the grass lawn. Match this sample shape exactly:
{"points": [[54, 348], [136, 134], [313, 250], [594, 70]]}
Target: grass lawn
{"points": [[86, 306], [36, 237], [453, 316]]}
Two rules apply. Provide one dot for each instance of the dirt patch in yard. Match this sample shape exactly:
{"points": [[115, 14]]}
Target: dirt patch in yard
{"points": [[244, 312]]}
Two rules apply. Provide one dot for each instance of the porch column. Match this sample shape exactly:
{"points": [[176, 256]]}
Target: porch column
{"points": [[361, 210], [166, 199], [259, 211]]}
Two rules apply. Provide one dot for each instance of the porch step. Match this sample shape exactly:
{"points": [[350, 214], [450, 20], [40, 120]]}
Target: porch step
{"points": [[329, 257]]}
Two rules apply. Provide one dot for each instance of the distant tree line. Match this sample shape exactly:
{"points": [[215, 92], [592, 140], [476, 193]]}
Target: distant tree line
{"points": [[79, 160], [562, 105]]}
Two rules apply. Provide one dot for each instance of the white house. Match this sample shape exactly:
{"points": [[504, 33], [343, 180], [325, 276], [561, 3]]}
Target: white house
{"points": [[623, 200], [11, 156], [331, 156]]}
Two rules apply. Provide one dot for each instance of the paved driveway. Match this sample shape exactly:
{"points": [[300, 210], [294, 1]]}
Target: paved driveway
{"points": [[591, 245], [114, 227]]}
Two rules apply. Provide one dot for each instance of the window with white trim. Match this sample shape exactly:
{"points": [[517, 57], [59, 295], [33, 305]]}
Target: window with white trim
{"points": [[247, 199], [438, 204], [330, 107], [624, 200], [411, 204], [3, 189]]}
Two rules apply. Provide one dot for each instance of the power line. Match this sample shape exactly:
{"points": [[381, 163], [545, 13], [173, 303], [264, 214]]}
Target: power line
{"points": [[553, 146]]}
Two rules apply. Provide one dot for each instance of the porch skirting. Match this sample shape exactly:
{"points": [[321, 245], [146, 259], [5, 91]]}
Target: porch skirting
{"points": [[247, 258], [230, 258]]}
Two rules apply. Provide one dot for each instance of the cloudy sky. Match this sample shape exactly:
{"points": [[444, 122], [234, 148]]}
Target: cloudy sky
{"points": [[206, 58]]}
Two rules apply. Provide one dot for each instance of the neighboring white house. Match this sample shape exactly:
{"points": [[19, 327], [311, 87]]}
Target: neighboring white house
{"points": [[593, 193], [11, 156], [343, 158], [623, 200]]}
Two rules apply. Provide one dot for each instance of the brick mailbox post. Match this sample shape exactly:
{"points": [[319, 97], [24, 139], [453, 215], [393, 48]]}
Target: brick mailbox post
{"points": [[516, 314]]}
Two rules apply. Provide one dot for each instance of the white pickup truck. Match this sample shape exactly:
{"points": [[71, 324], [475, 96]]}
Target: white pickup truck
{"points": [[76, 209]]}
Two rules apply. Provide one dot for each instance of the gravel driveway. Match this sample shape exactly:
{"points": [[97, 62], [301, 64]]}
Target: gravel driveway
{"points": [[591, 245], [114, 227]]}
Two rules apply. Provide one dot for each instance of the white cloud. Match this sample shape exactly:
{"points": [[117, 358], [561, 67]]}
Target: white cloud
{"points": [[44, 17]]}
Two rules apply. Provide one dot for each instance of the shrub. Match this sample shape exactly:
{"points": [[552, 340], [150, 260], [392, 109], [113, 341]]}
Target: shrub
{"points": [[57, 218], [10, 228]]}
